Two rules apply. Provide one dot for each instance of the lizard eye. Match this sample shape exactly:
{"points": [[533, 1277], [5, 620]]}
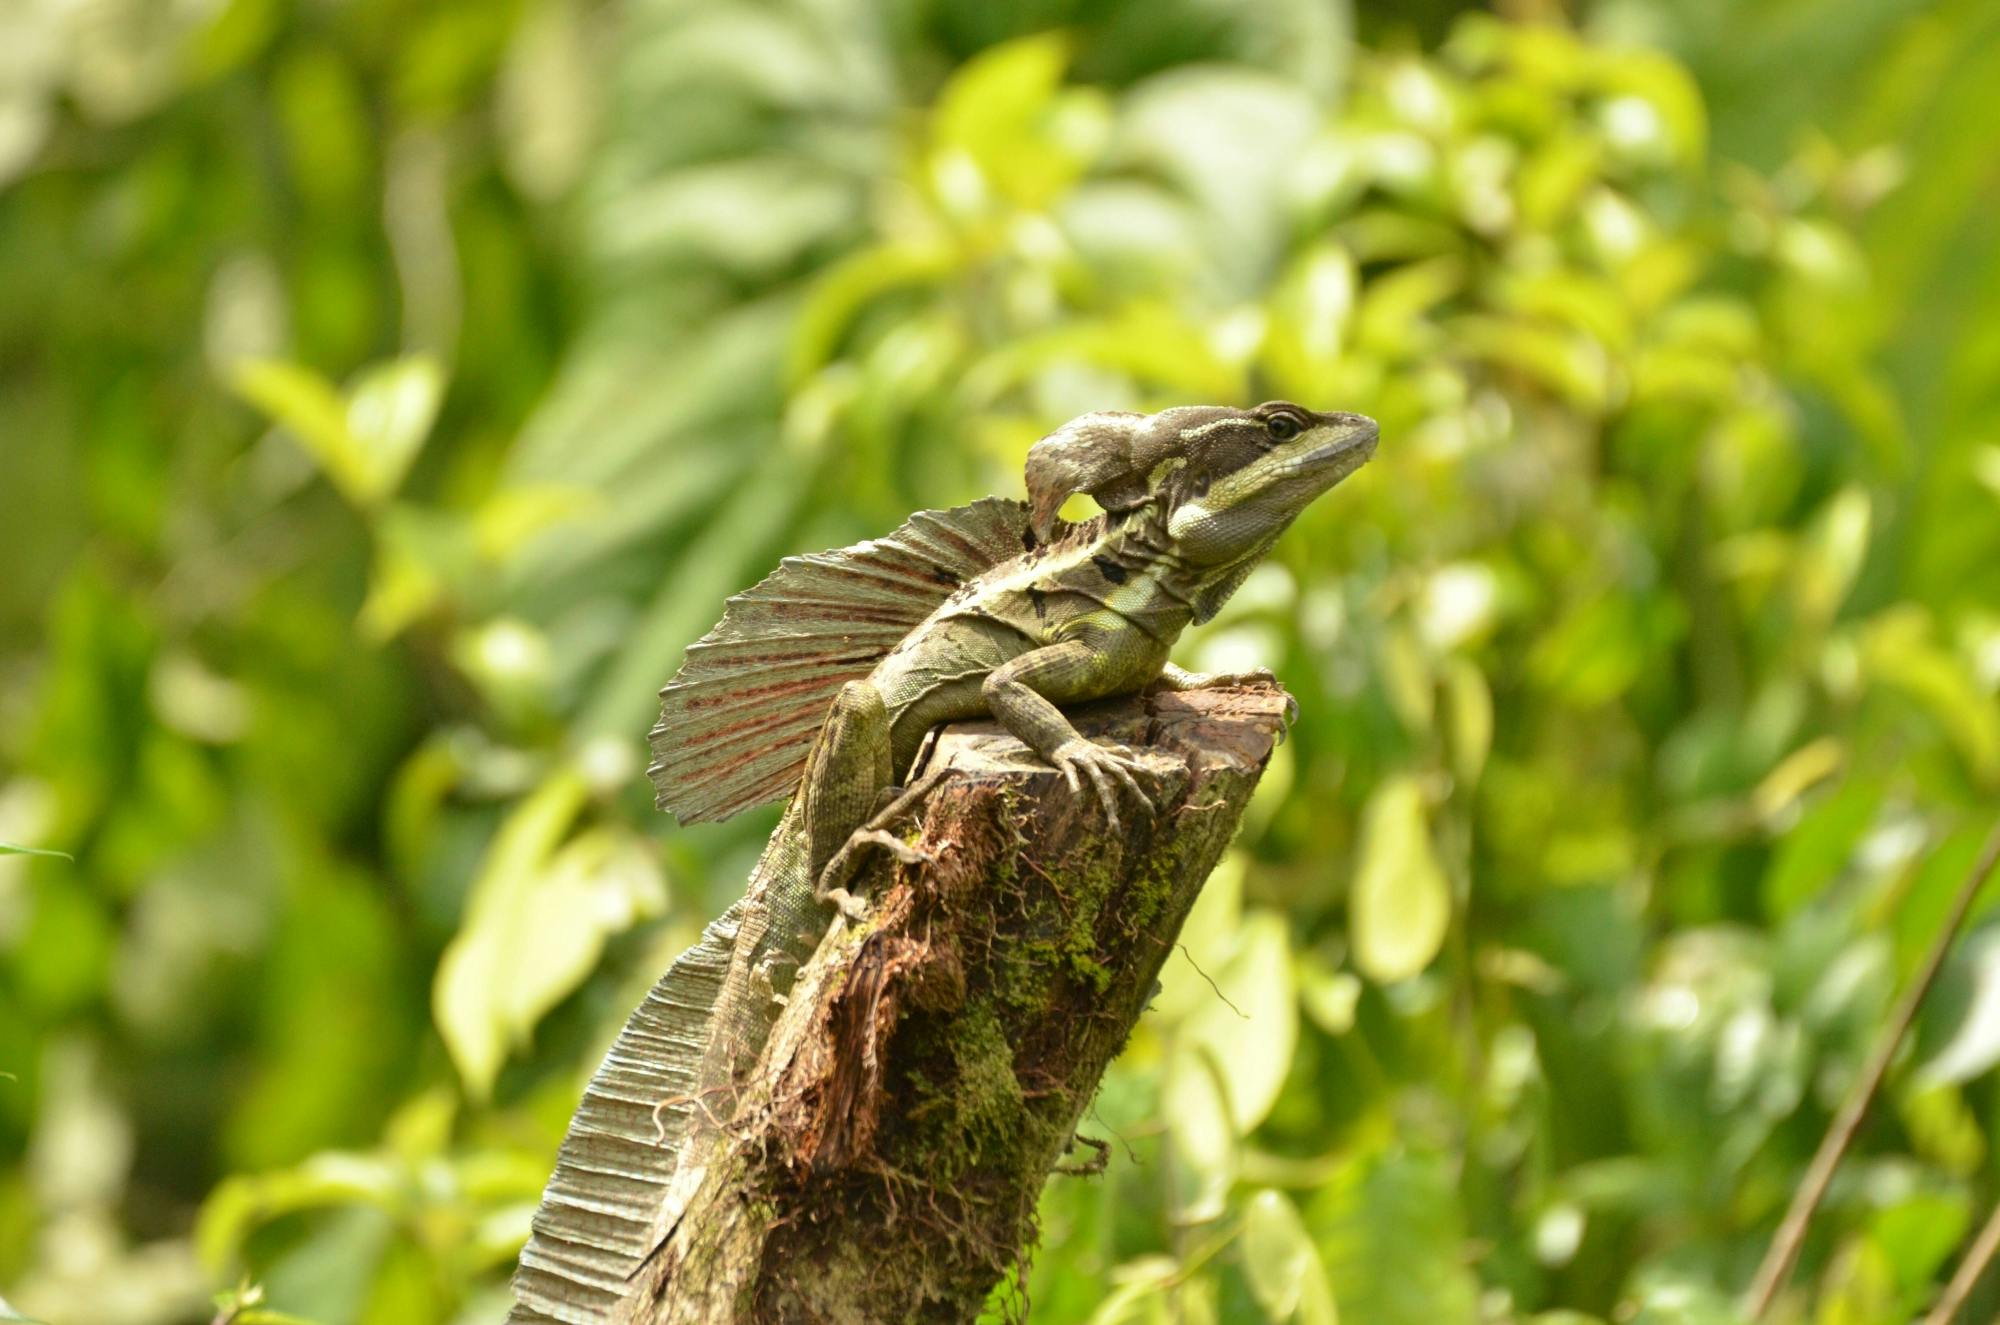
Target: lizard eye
{"points": [[1282, 427]]}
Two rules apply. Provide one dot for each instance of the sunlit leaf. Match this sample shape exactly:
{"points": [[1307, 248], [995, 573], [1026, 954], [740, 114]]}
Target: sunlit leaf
{"points": [[1248, 1025], [1329, 996], [1468, 719], [1003, 123], [1277, 1253], [331, 1178], [10, 849], [536, 920], [1897, 649], [366, 441], [536, 928], [1200, 1136], [546, 111], [307, 406], [1830, 556], [1797, 772], [1139, 1283], [1399, 909], [389, 412], [1973, 1045]]}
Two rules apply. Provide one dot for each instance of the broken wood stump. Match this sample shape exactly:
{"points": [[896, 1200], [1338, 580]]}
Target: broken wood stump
{"points": [[885, 1154]]}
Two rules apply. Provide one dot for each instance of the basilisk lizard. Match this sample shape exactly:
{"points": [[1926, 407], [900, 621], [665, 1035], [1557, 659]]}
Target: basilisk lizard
{"points": [[826, 678]]}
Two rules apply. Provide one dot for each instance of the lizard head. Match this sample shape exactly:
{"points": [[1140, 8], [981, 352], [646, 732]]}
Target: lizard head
{"points": [[1248, 473]]}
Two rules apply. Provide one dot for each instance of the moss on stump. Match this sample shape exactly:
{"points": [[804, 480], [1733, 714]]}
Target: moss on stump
{"points": [[932, 1060]]}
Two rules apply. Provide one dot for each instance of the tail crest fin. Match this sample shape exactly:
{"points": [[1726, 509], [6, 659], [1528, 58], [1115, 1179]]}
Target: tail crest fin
{"points": [[738, 718]]}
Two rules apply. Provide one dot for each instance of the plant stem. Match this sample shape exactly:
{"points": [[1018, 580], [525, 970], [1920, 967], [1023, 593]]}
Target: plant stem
{"points": [[1840, 1133], [1975, 1263]]}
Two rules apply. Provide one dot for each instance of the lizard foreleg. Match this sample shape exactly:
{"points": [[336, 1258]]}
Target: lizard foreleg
{"points": [[1023, 693]]}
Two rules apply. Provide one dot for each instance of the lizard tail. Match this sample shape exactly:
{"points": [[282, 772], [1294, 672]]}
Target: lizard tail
{"points": [[601, 1215]]}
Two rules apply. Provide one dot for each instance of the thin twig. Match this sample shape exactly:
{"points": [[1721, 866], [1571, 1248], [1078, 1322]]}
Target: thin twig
{"points": [[1975, 1263], [1211, 983], [1840, 1133]]}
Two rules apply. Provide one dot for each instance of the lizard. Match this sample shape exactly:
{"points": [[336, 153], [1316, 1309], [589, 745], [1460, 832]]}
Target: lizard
{"points": [[824, 680]]}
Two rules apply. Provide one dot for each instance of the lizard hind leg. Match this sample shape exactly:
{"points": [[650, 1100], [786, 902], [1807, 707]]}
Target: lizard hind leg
{"points": [[847, 773]]}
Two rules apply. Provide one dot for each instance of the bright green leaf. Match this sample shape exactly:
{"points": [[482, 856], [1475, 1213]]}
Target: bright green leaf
{"points": [[1469, 719], [1830, 556], [7, 1313], [390, 409], [364, 443], [1400, 906], [1200, 1136], [10, 849], [1277, 1253], [536, 922], [1251, 1036]]}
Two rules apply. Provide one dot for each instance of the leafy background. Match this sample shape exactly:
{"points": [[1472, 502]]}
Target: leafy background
{"points": [[390, 389]]}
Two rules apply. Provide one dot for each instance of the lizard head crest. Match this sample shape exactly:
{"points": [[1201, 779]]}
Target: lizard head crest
{"points": [[1263, 457], [1244, 475]]}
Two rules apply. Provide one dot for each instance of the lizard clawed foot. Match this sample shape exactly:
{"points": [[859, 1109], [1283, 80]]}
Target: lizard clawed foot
{"points": [[833, 880], [1106, 768]]}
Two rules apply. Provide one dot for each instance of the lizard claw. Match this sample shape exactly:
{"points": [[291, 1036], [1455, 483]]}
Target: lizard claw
{"points": [[1291, 716], [1106, 769]]}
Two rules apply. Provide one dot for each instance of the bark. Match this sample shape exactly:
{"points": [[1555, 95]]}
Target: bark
{"points": [[933, 1059]]}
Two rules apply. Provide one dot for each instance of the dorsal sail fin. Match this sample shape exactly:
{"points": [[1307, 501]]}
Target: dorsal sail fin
{"points": [[738, 718]]}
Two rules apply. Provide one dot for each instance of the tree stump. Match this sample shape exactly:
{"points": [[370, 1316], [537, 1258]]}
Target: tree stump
{"points": [[928, 1071]]}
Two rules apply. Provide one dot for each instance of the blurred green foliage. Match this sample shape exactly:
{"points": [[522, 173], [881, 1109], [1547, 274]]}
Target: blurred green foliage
{"points": [[390, 390]]}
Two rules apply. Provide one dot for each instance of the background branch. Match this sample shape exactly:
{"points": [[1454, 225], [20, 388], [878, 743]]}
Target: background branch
{"points": [[1790, 1237]]}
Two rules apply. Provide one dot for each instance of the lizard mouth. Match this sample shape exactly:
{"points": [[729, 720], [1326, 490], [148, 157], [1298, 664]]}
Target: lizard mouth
{"points": [[1358, 432]]}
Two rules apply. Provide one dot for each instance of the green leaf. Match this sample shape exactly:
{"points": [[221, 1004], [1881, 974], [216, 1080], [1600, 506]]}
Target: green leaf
{"points": [[1469, 719], [1400, 906], [1898, 650], [1251, 1036], [10, 849], [1819, 846], [1139, 1283], [545, 111], [1329, 996], [1919, 1234], [365, 442], [1278, 1254], [1200, 1136], [1002, 115], [1391, 1229], [239, 1205], [1971, 1038], [7, 1313], [390, 409], [1830, 556], [536, 922], [306, 405]]}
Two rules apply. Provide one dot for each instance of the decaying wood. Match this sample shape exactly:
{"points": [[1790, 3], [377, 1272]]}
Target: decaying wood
{"points": [[933, 1059]]}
